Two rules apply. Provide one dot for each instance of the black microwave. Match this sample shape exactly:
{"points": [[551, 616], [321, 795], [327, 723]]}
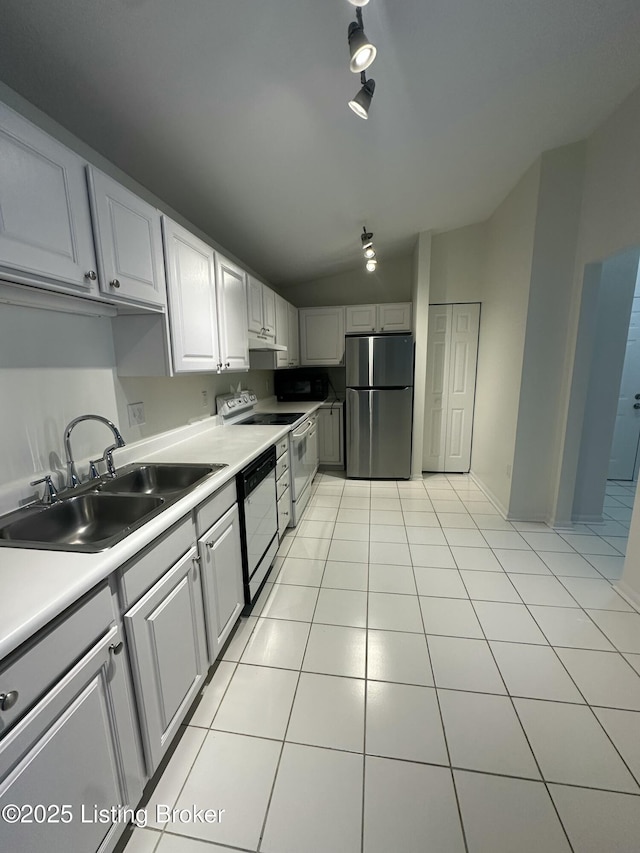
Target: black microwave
{"points": [[292, 385]]}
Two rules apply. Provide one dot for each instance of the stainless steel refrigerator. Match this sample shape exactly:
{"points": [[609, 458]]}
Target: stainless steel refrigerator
{"points": [[379, 379]]}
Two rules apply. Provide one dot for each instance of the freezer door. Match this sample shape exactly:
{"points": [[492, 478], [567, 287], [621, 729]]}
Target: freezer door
{"points": [[377, 361], [379, 433]]}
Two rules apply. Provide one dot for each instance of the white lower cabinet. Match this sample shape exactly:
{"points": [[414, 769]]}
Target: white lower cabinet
{"points": [[331, 435], [221, 566], [166, 635], [76, 752]]}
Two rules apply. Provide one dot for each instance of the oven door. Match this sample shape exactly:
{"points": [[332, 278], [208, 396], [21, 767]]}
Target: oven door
{"points": [[304, 451]]}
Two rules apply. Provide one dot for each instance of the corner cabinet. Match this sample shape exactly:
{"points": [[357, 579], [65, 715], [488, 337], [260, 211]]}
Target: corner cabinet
{"points": [[45, 223], [322, 336], [221, 567], [231, 288], [128, 241]]}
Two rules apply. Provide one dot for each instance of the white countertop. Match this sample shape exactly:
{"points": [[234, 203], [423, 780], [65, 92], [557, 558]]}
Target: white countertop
{"points": [[37, 585]]}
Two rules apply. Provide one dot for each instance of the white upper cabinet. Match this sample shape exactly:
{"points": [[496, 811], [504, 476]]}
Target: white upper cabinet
{"points": [[261, 308], [232, 315], [394, 317], [191, 286], [322, 335], [45, 224], [385, 317], [269, 306], [128, 243], [294, 336], [361, 319], [282, 321]]}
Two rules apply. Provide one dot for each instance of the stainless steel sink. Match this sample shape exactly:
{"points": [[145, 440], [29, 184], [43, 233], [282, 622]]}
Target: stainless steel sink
{"points": [[83, 522], [157, 479]]}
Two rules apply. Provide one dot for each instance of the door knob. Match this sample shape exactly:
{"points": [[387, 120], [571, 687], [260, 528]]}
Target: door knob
{"points": [[115, 283], [91, 275]]}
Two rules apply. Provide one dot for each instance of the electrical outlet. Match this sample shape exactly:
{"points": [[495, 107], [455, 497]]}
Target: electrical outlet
{"points": [[204, 399], [136, 414]]}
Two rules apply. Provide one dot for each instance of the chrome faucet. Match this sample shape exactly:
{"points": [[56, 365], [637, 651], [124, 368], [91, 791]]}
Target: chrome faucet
{"points": [[72, 474]]}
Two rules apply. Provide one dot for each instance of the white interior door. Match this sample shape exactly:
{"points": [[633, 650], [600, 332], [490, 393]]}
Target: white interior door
{"points": [[452, 352], [624, 449]]}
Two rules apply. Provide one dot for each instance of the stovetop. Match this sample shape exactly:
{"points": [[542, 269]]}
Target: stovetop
{"points": [[271, 419]]}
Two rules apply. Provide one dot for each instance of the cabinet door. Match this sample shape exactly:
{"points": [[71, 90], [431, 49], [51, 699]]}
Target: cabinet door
{"points": [[269, 312], [322, 335], [330, 443], [78, 746], [192, 300], [255, 318], [294, 337], [167, 640], [221, 562], [394, 317], [232, 315], [361, 319], [128, 242], [282, 321], [45, 225]]}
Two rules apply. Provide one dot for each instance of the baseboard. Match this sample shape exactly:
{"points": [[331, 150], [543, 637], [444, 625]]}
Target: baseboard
{"points": [[581, 518], [630, 595], [489, 494]]}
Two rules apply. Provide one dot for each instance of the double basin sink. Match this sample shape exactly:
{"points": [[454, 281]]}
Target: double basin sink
{"points": [[100, 513]]}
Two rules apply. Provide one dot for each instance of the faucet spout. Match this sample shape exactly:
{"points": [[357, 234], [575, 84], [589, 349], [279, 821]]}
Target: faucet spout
{"points": [[72, 474]]}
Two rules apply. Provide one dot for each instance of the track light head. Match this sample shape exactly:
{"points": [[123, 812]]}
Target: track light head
{"points": [[362, 101], [358, 2], [360, 48], [371, 265], [369, 252]]}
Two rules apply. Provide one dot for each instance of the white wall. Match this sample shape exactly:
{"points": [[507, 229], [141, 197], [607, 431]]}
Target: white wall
{"points": [[53, 367], [555, 236], [608, 339], [505, 299], [457, 264], [391, 282], [420, 293]]}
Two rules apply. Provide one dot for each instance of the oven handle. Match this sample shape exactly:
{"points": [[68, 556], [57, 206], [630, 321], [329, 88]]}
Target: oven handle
{"points": [[308, 426]]}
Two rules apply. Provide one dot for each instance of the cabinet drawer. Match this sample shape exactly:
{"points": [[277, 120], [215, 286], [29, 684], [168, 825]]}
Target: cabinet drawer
{"points": [[282, 485], [284, 510], [282, 446], [137, 576], [32, 669], [282, 465], [215, 507]]}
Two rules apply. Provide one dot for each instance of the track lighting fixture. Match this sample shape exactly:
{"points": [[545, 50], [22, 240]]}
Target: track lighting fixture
{"points": [[362, 101], [366, 239], [362, 51]]}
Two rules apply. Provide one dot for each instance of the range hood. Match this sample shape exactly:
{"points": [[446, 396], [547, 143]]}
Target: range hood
{"points": [[264, 344]]}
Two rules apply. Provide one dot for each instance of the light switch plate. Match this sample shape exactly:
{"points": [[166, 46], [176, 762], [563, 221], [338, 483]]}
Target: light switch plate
{"points": [[136, 414]]}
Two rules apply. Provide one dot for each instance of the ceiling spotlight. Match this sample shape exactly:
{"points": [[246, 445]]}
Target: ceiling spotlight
{"points": [[369, 252], [362, 51], [358, 2], [362, 101], [371, 265]]}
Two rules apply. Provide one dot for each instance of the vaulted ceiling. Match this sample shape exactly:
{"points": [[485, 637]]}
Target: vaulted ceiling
{"points": [[235, 111]]}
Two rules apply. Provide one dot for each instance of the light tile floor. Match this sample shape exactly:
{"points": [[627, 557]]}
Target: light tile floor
{"points": [[420, 674]]}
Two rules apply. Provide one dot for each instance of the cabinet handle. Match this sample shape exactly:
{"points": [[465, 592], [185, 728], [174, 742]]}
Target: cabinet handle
{"points": [[227, 364], [211, 544], [91, 275], [219, 365], [8, 700], [116, 648], [115, 283]]}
